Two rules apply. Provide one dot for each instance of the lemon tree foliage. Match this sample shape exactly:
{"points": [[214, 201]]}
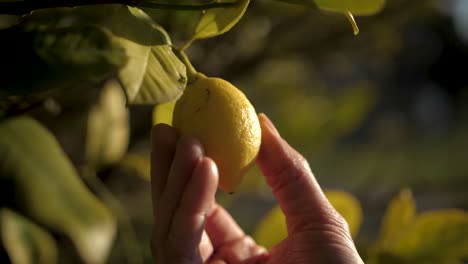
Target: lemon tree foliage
{"points": [[138, 163], [24, 241], [356, 7], [57, 57], [439, 236], [47, 188], [153, 74], [345, 203], [273, 220], [400, 213], [217, 21], [108, 129], [126, 53], [91, 43], [349, 207]]}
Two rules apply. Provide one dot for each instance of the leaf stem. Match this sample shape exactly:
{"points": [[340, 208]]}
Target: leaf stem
{"points": [[187, 43], [353, 23]]}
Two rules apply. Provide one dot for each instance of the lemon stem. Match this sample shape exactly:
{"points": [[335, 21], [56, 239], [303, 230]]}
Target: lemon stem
{"points": [[192, 73]]}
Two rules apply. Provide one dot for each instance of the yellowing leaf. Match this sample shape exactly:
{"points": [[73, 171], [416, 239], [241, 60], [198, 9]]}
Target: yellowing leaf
{"points": [[356, 7], [162, 113], [272, 228], [47, 189], [434, 235], [138, 162], [24, 241], [108, 127], [349, 208], [217, 21], [399, 215]]}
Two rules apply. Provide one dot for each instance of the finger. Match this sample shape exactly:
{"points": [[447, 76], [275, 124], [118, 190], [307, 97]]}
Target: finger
{"points": [[289, 175], [190, 218], [221, 227], [206, 248], [188, 154], [242, 250], [163, 145]]}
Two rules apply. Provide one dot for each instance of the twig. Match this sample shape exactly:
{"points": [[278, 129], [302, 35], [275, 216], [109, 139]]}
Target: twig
{"points": [[198, 6], [26, 7]]}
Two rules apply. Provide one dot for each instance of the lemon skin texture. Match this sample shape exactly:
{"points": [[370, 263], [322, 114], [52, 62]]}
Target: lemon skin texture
{"points": [[222, 118]]}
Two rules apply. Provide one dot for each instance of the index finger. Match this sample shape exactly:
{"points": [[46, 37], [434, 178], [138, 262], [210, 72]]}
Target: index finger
{"points": [[288, 173]]}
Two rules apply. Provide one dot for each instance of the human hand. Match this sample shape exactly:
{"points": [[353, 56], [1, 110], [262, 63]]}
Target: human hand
{"points": [[191, 228]]}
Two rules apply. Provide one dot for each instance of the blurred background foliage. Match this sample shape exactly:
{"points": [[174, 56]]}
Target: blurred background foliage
{"points": [[373, 114]]}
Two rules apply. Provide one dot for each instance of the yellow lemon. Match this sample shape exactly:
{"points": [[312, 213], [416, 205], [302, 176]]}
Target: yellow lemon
{"points": [[222, 118]]}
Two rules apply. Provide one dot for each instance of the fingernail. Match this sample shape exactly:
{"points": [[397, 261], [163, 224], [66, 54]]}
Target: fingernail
{"points": [[191, 146], [269, 124]]}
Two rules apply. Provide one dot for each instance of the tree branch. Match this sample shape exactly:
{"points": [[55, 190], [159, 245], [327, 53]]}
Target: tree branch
{"points": [[27, 6], [198, 6]]}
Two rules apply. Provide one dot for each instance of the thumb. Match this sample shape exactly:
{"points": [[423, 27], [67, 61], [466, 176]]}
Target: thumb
{"points": [[293, 183]]}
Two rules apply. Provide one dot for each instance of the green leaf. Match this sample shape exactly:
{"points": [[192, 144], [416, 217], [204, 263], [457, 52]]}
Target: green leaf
{"points": [[24, 241], [52, 58], [349, 208], [152, 74], [217, 21], [356, 7], [400, 213], [434, 235], [108, 128], [273, 220], [165, 78], [44, 185]]}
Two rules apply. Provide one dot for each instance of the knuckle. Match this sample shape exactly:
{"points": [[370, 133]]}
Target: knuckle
{"points": [[295, 169], [336, 224]]}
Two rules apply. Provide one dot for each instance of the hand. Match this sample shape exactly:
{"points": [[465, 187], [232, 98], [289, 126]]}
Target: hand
{"points": [[190, 228]]}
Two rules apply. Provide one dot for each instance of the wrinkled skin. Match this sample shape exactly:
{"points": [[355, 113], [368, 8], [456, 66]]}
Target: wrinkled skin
{"points": [[191, 228]]}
